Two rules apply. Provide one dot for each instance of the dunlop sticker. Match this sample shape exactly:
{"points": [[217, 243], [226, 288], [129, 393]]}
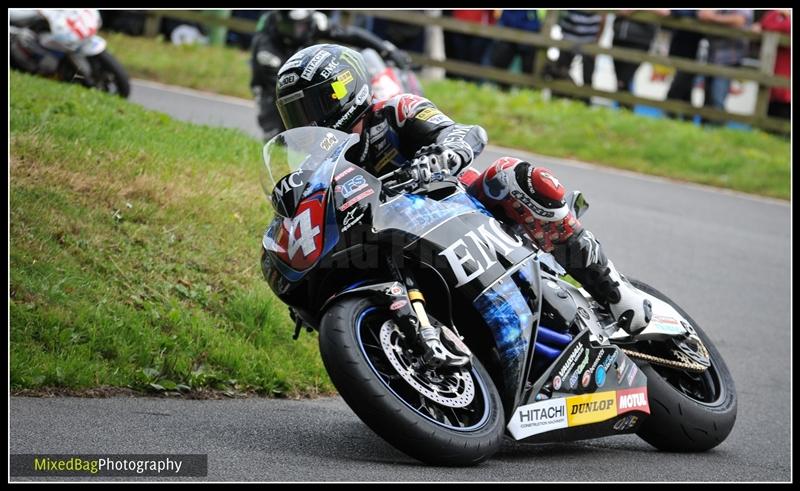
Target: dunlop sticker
{"points": [[591, 408]]}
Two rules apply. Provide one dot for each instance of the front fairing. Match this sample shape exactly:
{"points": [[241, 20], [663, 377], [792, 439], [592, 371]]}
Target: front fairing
{"points": [[73, 30]]}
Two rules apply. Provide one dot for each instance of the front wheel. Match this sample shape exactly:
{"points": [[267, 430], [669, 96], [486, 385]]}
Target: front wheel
{"points": [[440, 418], [109, 75], [689, 412]]}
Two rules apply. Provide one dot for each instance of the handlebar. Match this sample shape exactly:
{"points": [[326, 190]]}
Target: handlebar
{"points": [[415, 174]]}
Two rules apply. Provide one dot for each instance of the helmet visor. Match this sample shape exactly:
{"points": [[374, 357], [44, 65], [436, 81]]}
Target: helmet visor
{"points": [[315, 104]]}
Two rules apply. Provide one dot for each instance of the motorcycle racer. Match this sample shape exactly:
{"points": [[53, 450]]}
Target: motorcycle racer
{"points": [[279, 34], [326, 85]]}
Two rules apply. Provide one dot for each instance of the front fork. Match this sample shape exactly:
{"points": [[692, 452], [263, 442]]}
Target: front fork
{"points": [[437, 346]]}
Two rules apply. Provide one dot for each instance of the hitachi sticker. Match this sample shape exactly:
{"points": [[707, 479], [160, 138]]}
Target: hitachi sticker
{"points": [[538, 417], [591, 408], [313, 65]]}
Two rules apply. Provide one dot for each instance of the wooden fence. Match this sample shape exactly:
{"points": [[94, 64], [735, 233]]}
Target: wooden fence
{"points": [[763, 75]]}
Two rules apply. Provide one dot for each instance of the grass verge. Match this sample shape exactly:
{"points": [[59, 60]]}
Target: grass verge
{"points": [[750, 161], [135, 253]]}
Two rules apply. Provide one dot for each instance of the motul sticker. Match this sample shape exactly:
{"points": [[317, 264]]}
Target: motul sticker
{"points": [[591, 408], [632, 400], [538, 417]]}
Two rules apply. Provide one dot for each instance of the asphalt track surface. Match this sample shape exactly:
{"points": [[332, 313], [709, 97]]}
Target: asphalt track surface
{"points": [[724, 257]]}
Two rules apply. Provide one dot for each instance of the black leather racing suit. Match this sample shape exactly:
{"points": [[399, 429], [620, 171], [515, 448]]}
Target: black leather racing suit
{"points": [[395, 129], [269, 51]]}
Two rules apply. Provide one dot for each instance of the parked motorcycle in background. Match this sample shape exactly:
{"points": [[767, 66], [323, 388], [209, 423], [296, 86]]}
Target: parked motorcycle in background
{"points": [[389, 80], [64, 45]]}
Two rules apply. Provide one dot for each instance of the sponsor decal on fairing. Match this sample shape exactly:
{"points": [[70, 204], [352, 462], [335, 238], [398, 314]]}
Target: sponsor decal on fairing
{"points": [[626, 423], [353, 186], [632, 400], [591, 408], [621, 370], [344, 173], [539, 417], [459, 252], [358, 198], [570, 361], [632, 374], [351, 219]]}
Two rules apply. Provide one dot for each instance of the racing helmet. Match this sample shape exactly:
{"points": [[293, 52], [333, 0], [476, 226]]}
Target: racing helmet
{"points": [[323, 85]]}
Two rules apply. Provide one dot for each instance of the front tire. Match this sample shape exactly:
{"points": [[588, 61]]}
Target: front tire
{"points": [[433, 433], [688, 412]]}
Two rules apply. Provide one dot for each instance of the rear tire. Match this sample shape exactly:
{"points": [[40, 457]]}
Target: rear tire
{"points": [[679, 422], [377, 401], [109, 75]]}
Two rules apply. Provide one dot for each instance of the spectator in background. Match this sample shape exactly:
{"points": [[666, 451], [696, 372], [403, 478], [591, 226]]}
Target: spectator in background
{"points": [[466, 47], [580, 27], [407, 37], [633, 35], [501, 53], [726, 51], [780, 98], [684, 44]]}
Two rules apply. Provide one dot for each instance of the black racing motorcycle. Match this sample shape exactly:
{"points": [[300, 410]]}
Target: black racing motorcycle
{"points": [[371, 263]]}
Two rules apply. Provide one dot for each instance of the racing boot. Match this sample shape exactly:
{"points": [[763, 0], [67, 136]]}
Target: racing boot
{"points": [[532, 197], [583, 258]]}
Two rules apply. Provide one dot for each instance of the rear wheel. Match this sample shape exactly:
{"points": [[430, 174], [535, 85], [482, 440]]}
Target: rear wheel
{"points": [[109, 75], [439, 417], [689, 412]]}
